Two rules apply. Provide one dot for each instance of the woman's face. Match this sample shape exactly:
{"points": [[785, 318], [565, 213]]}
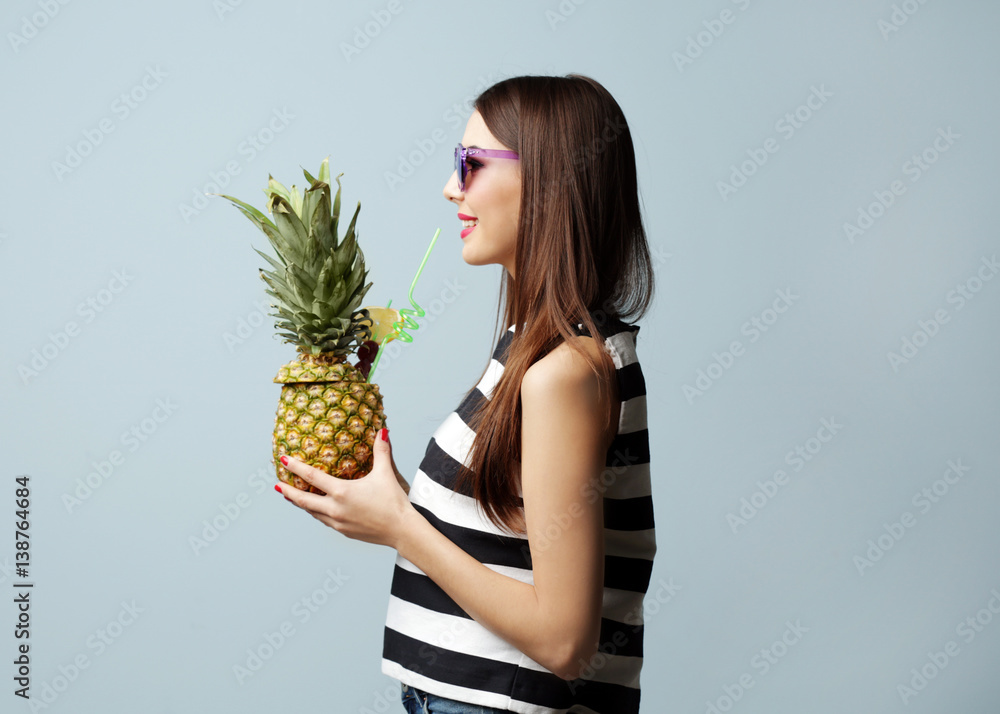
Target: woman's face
{"points": [[492, 197]]}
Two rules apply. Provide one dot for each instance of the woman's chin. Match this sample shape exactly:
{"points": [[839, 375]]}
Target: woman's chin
{"points": [[470, 256]]}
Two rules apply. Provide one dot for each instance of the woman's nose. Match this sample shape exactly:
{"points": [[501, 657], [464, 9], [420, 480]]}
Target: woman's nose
{"points": [[451, 191]]}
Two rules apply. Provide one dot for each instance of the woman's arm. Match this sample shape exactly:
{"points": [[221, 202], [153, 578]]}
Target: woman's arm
{"points": [[564, 440]]}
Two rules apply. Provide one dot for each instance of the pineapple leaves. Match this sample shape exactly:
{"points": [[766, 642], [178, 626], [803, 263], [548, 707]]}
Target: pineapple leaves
{"points": [[336, 207], [319, 223], [316, 280], [278, 287], [362, 322], [339, 294], [324, 280], [286, 251], [303, 280], [290, 225], [274, 263], [354, 220], [249, 211], [276, 188], [360, 276], [346, 252], [358, 296], [296, 200]]}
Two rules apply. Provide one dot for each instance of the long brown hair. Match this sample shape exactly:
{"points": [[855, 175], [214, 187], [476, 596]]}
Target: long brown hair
{"points": [[581, 255]]}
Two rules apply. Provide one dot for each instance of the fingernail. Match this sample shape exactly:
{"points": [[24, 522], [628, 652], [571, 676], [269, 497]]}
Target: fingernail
{"points": [[384, 434], [284, 460], [278, 489]]}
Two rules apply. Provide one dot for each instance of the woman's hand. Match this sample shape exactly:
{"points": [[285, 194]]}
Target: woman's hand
{"points": [[371, 508]]}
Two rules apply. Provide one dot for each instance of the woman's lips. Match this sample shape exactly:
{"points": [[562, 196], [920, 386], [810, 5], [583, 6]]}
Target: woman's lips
{"points": [[466, 231]]}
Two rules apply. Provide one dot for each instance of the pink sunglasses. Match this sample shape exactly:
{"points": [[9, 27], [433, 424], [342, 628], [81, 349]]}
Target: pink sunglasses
{"points": [[462, 154]]}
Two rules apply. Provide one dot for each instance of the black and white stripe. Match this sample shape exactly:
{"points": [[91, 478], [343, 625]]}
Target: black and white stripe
{"points": [[432, 644]]}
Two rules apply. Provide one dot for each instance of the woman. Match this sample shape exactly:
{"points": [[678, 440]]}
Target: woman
{"points": [[525, 545]]}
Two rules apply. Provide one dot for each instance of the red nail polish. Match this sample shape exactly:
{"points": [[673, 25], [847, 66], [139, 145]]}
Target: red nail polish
{"points": [[284, 460], [278, 489], [384, 434]]}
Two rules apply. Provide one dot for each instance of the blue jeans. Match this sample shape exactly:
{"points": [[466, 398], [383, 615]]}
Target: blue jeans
{"points": [[417, 701]]}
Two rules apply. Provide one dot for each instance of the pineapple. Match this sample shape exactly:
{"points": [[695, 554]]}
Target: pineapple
{"points": [[328, 413]]}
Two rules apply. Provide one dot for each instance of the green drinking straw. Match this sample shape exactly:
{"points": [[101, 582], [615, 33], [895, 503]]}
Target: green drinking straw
{"points": [[406, 313]]}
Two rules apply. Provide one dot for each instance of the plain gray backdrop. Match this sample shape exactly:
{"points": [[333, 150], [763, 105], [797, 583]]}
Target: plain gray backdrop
{"points": [[818, 183]]}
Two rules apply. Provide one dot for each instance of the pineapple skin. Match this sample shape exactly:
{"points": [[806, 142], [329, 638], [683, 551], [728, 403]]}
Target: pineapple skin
{"points": [[327, 417]]}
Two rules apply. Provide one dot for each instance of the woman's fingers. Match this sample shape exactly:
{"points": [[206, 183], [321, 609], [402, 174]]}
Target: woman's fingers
{"points": [[313, 476]]}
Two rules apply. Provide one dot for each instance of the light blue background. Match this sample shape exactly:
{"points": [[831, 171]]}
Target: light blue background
{"points": [[193, 281]]}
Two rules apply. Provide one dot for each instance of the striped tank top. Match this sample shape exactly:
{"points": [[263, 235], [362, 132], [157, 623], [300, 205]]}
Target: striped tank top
{"points": [[430, 643]]}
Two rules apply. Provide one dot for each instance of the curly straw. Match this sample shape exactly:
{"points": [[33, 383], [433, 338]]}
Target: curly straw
{"points": [[406, 313]]}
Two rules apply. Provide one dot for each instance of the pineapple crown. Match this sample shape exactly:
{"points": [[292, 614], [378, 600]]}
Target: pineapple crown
{"points": [[318, 280]]}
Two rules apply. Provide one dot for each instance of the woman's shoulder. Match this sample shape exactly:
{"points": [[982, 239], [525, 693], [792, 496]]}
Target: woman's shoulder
{"points": [[564, 364], [563, 386]]}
